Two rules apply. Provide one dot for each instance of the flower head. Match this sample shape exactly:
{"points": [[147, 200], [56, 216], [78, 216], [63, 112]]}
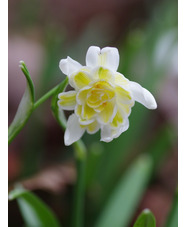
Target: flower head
{"points": [[102, 97]]}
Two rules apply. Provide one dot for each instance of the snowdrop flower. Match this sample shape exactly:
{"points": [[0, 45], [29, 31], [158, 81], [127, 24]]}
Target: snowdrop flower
{"points": [[102, 97]]}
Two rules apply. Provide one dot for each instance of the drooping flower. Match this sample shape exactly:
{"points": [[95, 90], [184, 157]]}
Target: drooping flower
{"points": [[102, 97]]}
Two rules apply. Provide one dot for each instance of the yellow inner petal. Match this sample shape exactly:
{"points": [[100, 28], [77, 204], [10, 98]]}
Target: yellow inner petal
{"points": [[67, 99], [122, 95], [105, 74], [78, 110], [93, 127], [82, 96], [87, 112], [118, 119], [107, 111], [81, 80], [100, 93]]}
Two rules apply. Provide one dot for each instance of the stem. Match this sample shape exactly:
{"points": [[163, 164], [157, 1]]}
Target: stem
{"points": [[50, 93], [45, 97], [78, 207]]}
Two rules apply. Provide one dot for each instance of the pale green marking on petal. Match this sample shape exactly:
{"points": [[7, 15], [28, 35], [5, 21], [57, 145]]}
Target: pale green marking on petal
{"points": [[103, 59], [118, 119]]}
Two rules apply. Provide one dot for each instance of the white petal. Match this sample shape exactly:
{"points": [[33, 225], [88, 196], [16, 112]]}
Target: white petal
{"points": [[109, 133], [85, 122], [82, 95], [106, 133], [73, 131], [111, 56], [142, 95], [69, 66], [107, 57], [121, 80], [122, 128], [92, 56]]}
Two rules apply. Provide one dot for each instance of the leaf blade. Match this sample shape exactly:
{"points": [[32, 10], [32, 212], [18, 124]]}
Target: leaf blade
{"points": [[34, 211], [121, 205], [172, 220], [145, 219], [25, 107]]}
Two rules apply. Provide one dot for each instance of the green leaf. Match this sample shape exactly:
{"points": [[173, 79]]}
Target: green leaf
{"points": [[59, 114], [125, 198], [172, 220], [34, 211], [145, 219], [25, 107]]}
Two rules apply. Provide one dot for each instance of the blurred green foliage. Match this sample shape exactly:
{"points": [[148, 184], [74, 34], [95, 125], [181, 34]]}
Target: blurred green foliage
{"points": [[172, 219]]}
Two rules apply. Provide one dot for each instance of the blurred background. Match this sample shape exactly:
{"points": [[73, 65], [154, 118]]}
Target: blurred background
{"points": [[145, 33]]}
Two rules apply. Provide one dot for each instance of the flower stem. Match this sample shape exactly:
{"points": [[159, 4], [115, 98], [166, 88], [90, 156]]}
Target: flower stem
{"points": [[48, 94], [78, 206]]}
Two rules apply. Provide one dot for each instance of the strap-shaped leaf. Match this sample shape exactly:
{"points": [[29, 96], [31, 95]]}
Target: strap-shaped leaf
{"points": [[172, 220], [125, 198], [145, 219], [34, 211], [59, 114], [25, 107]]}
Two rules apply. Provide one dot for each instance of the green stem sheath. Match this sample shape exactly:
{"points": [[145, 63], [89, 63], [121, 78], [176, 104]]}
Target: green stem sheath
{"points": [[38, 103]]}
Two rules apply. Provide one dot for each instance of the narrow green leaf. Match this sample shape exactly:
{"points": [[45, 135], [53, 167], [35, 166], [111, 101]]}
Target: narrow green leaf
{"points": [[59, 114], [34, 211], [145, 219], [25, 107], [172, 220], [125, 198]]}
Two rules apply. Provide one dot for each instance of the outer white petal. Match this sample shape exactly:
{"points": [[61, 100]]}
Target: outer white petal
{"points": [[108, 133], [92, 56], [142, 95], [111, 56], [69, 66], [107, 57], [73, 131]]}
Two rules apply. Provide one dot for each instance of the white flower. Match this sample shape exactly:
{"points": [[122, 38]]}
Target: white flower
{"points": [[102, 98]]}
